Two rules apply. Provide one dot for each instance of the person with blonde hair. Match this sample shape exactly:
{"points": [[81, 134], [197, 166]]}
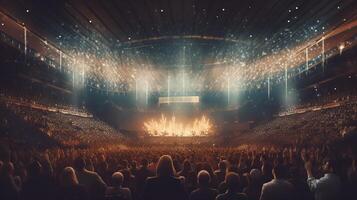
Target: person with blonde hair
{"points": [[165, 185], [70, 188]]}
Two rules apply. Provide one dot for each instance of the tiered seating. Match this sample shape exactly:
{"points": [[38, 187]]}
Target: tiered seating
{"points": [[64, 127], [313, 126]]}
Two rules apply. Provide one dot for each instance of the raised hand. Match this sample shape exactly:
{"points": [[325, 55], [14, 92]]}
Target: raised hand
{"points": [[308, 167]]}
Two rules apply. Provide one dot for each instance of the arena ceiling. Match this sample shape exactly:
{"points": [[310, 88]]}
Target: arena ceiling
{"points": [[143, 23], [185, 34]]}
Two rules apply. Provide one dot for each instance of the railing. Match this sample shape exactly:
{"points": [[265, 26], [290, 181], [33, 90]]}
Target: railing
{"points": [[42, 107]]}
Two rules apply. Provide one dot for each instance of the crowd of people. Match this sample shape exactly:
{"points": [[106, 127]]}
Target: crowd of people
{"points": [[142, 173], [311, 126], [93, 162], [64, 128]]}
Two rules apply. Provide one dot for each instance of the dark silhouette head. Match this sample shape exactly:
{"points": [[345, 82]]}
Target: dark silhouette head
{"points": [[279, 171], [165, 166], [80, 163], [117, 179], [232, 181], [203, 178], [255, 176], [186, 165], [69, 177], [35, 169], [222, 165], [329, 166]]}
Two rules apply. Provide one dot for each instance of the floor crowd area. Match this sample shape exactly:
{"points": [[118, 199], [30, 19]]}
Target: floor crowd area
{"points": [[119, 172]]}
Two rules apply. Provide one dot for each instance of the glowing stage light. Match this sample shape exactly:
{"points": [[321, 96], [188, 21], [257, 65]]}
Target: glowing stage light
{"points": [[166, 127], [179, 99], [341, 47]]}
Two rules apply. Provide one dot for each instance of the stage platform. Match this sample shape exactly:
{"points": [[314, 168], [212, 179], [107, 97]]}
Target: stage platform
{"points": [[172, 140]]}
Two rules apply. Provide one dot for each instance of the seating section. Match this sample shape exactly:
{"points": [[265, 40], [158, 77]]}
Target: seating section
{"points": [[324, 122], [68, 127]]}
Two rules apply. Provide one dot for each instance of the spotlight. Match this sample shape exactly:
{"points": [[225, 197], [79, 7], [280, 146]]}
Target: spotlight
{"points": [[341, 47]]}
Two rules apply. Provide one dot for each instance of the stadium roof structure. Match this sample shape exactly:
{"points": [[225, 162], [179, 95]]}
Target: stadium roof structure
{"points": [[124, 40]]}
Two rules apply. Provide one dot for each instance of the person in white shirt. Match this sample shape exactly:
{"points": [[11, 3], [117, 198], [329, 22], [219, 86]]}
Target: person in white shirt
{"points": [[278, 188], [327, 187]]}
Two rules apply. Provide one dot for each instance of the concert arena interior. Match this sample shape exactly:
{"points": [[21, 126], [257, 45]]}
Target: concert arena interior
{"points": [[178, 99]]}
